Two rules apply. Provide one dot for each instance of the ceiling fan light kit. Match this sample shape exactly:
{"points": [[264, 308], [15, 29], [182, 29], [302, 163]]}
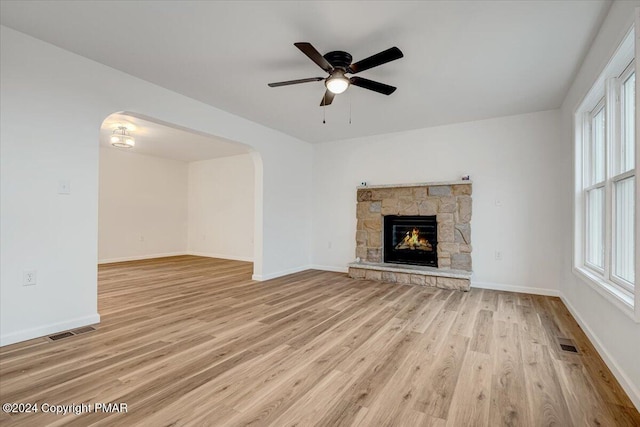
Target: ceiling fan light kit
{"points": [[337, 64], [337, 82]]}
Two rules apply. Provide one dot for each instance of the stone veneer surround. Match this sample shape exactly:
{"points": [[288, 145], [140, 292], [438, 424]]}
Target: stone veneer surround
{"points": [[449, 201]]}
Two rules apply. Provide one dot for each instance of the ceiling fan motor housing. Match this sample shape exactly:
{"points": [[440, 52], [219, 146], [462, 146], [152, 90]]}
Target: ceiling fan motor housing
{"points": [[339, 59]]}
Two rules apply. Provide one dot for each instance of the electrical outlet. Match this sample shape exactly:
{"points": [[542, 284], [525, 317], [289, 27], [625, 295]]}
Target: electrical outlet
{"points": [[498, 255], [29, 277], [142, 238]]}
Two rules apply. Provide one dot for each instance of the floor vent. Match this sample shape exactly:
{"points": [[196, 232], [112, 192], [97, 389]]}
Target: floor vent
{"points": [[83, 330], [72, 333], [57, 337], [567, 345]]}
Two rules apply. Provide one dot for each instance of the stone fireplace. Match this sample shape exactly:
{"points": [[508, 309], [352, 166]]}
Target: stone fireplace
{"points": [[415, 233]]}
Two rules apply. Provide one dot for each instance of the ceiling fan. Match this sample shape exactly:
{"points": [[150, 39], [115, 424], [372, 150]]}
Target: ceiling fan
{"points": [[338, 64]]}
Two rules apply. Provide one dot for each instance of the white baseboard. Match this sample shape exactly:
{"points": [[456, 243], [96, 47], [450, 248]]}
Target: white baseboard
{"points": [[329, 268], [629, 387], [221, 256], [515, 288], [140, 257], [263, 277], [44, 330], [168, 254]]}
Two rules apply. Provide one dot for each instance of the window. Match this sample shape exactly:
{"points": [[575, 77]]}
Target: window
{"points": [[606, 180], [623, 267], [595, 189]]}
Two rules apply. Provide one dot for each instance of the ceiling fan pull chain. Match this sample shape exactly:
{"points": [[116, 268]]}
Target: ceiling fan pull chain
{"points": [[349, 107], [324, 113]]}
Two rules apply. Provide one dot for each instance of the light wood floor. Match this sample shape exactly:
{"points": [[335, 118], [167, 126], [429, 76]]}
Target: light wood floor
{"points": [[193, 341]]}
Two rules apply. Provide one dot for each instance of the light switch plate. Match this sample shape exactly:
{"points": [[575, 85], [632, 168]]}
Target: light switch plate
{"points": [[64, 186]]}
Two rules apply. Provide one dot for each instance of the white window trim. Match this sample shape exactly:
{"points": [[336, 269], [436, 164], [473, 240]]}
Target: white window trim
{"points": [[616, 293]]}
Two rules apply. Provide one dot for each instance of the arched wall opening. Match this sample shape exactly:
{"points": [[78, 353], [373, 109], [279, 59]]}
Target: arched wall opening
{"points": [[178, 191]]}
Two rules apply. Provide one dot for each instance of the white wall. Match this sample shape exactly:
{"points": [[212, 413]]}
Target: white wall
{"points": [[53, 103], [514, 160], [616, 336], [142, 208], [151, 207], [221, 199]]}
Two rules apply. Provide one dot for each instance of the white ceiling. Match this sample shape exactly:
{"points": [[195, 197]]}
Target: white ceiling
{"points": [[464, 60], [169, 142]]}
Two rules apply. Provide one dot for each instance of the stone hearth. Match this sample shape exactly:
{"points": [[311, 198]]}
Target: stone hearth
{"points": [[450, 202]]}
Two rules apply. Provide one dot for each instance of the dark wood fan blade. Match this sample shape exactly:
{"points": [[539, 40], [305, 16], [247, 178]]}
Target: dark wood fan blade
{"points": [[371, 85], [295, 82], [327, 99], [383, 57], [314, 55]]}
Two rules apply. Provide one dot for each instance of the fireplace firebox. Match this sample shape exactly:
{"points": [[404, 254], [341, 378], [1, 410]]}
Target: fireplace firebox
{"points": [[411, 240]]}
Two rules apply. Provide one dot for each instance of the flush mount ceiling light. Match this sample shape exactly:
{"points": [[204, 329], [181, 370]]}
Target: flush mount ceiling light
{"points": [[121, 138], [337, 82]]}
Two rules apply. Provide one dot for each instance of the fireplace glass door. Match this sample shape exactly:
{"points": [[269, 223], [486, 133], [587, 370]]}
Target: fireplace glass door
{"points": [[411, 240]]}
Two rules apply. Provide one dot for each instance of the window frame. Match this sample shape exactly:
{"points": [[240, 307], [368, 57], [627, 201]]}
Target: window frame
{"points": [[606, 93], [614, 164]]}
